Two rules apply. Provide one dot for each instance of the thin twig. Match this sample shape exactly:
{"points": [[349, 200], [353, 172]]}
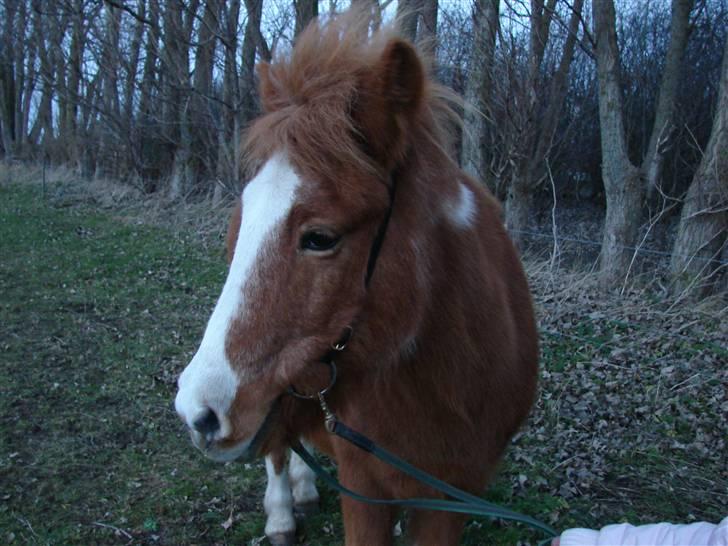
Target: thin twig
{"points": [[25, 522], [556, 252], [113, 528]]}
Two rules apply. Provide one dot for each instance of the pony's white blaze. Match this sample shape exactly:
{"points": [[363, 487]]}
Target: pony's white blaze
{"points": [[209, 381]]}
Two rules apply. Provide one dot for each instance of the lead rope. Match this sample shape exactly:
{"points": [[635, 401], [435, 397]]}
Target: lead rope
{"points": [[464, 503]]}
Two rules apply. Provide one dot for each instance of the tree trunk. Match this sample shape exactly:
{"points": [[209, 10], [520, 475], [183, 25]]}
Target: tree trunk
{"points": [[248, 94], [518, 207], [408, 13], [150, 62], [518, 200], [621, 179], [8, 82], [73, 83], [230, 89], [226, 151], [558, 89], [664, 127], [254, 11], [176, 38], [133, 65], [107, 162], [110, 60], [478, 89], [26, 53], [374, 9], [204, 135], [7, 101], [147, 123], [702, 238], [306, 11], [181, 182], [427, 29]]}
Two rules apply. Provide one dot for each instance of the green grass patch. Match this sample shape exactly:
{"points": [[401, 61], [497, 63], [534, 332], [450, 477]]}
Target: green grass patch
{"points": [[97, 319]]}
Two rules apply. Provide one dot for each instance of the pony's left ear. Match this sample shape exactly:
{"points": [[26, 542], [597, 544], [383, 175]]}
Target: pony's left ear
{"points": [[403, 78], [389, 101]]}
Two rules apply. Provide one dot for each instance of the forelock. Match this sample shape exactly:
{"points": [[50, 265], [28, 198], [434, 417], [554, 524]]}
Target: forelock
{"points": [[309, 94]]}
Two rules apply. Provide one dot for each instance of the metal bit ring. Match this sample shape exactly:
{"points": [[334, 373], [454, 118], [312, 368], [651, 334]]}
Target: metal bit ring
{"points": [[316, 396]]}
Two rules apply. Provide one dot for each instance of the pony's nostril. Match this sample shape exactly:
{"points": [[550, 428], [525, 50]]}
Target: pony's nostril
{"points": [[207, 423]]}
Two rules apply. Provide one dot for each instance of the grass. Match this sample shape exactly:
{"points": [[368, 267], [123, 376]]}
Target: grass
{"points": [[99, 315]]}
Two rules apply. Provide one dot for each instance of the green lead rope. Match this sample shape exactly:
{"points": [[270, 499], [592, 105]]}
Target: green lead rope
{"points": [[464, 502]]}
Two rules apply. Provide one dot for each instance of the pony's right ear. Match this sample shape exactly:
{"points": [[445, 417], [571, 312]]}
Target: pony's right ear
{"points": [[389, 101]]}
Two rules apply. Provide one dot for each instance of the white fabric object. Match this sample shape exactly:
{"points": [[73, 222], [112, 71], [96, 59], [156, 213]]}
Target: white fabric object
{"points": [[656, 534]]}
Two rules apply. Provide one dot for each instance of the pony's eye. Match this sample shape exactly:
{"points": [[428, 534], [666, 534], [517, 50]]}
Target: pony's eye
{"points": [[318, 241]]}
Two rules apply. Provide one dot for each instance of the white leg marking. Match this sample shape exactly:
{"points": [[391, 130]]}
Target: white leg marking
{"points": [[303, 480], [278, 501]]}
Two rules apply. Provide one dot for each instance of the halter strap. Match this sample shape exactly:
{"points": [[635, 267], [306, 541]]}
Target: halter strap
{"points": [[381, 233]]}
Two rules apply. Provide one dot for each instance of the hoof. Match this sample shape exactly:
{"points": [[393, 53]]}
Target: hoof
{"points": [[306, 509], [282, 539]]}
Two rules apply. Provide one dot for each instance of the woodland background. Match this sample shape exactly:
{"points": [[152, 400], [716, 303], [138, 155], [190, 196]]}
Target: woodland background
{"points": [[602, 127], [611, 109]]}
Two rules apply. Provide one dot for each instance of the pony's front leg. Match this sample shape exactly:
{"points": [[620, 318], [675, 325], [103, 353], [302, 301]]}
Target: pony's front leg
{"points": [[303, 482], [425, 528], [365, 524], [280, 525]]}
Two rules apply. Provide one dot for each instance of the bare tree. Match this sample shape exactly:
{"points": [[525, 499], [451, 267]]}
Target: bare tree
{"points": [[418, 23], [427, 28], [478, 88], [306, 11], [663, 129], [48, 29], [408, 12], [158, 91], [253, 43], [26, 54], [178, 25], [10, 73], [203, 103], [374, 8], [229, 126], [621, 178], [538, 114], [110, 107], [703, 232]]}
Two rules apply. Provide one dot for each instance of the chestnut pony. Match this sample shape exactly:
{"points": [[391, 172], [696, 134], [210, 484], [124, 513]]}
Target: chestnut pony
{"points": [[441, 367]]}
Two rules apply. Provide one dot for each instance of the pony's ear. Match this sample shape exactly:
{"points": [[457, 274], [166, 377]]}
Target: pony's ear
{"points": [[268, 92], [388, 102], [403, 77]]}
